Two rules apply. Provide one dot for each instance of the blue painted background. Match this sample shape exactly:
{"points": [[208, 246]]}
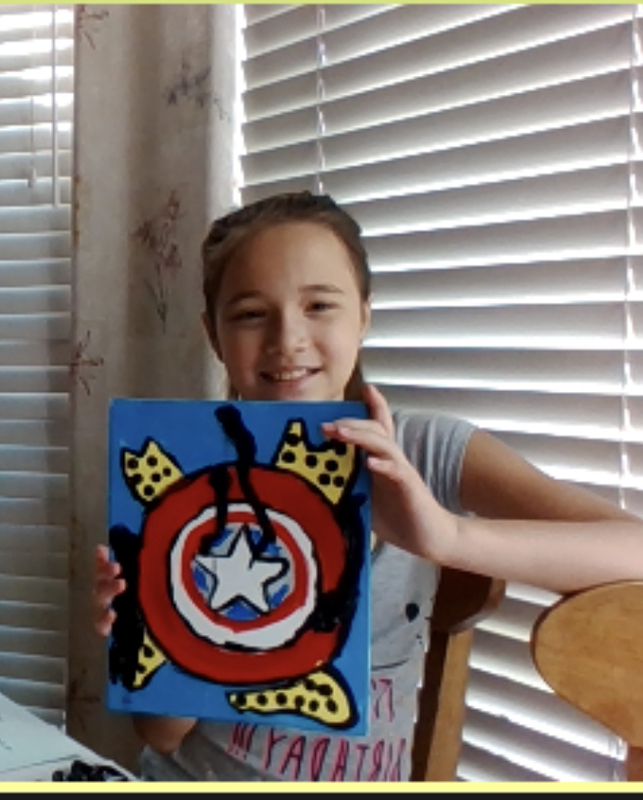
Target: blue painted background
{"points": [[190, 432]]}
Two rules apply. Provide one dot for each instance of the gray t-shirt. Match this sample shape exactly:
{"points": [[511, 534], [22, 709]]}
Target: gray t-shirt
{"points": [[402, 593]]}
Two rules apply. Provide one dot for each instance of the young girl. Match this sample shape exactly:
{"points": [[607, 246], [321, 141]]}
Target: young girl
{"points": [[287, 290]]}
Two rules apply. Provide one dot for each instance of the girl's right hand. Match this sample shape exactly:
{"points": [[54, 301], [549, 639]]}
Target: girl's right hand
{"points": [[107, 584]]}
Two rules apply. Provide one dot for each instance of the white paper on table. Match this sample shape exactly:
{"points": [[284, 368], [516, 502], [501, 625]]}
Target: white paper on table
{"points": [[32, 749], [26, 740], [24, 743]]}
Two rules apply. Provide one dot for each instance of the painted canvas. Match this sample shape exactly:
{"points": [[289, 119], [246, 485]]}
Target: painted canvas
{"points": [[243, 534]]}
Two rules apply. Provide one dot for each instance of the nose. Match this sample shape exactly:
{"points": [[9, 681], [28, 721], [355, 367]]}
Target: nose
{"points": [[288, 332]]}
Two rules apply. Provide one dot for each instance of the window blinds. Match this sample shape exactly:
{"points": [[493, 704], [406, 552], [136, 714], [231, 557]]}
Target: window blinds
{"points": [[36, 92], [492, 155]]}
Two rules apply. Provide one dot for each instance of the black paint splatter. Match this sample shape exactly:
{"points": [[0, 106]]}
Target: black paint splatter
{"points": [[230, 420], [129, 627]]}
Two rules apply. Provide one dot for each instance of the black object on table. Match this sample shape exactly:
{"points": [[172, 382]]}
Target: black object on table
{"points": [[81, 771]]}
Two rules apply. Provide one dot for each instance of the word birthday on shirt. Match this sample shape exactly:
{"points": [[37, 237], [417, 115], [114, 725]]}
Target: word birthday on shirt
{"points": [[326, 758], [242, 536]]}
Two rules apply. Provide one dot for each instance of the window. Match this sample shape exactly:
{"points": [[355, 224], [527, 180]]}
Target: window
{"points": [[36, 91], [491, 154]]}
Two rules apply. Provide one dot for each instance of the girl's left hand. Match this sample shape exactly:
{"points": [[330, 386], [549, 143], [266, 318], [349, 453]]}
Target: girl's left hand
{"points": [[404, 512]]}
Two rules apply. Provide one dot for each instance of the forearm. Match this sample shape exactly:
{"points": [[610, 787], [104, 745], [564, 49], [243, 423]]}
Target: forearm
{"points": [[527, 527], [558, 556], [163, 734]]}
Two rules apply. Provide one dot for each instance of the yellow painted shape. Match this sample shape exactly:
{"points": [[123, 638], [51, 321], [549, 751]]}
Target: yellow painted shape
{"points": [[317, 696], [150, 658], [149, 473], [321, 466]]}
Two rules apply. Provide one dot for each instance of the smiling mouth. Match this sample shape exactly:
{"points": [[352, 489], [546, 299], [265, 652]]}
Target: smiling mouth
{"points": [[289, 375]]}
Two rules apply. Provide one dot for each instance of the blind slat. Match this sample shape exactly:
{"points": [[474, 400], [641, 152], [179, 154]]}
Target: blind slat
{"points": [[33, 511], [30, 300], [29, 642], [45, 460], [580, 415], [477, 765], [29, 538], [19, 193], [42, 485], [29, 693], [536, 710], [30, 354], [271, 33], [36, 219], [33, 406], [566, 194], [26, 138], [34, 272], [18, 59], [52, 326], [41, 670], [553, 759], [32, 590], [591, 325], [35, 616], [584, 236], [591, 372], [556, 282]]}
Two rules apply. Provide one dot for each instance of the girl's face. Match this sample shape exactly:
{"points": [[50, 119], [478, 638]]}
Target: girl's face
{"points": [[289, 316]]}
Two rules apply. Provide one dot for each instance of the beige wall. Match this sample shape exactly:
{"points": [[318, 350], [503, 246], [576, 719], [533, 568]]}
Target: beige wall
{"points": [[153, 165]]}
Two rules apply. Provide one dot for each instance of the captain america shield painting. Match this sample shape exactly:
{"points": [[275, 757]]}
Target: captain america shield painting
{"points": [[247, 576]]}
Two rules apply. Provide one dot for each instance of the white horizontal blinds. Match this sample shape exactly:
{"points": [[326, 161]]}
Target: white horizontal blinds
{"points": [[286, 54], [36, 107], [632, 398], [491, 155]]}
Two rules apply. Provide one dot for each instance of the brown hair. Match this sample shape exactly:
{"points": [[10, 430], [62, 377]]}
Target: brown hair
{"points": [[229, 235]]}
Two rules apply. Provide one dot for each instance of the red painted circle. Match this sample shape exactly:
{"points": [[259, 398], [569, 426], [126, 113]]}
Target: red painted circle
{"points": [[279, 491]]}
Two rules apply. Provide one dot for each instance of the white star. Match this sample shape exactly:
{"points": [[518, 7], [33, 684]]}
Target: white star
{"points": [[238, 574]]}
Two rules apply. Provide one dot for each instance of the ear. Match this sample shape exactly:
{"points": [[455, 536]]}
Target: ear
{"points": [[211, 334]]}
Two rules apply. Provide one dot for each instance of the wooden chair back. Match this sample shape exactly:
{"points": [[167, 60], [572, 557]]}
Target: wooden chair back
{"points": [[463, 599], [588, 647]]}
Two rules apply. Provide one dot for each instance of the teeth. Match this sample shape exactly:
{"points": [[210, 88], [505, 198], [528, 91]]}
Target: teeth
{"points": [[288, 375]]}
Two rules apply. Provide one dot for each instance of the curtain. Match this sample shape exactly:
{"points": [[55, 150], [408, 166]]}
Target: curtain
{"points": [[153, 163]]}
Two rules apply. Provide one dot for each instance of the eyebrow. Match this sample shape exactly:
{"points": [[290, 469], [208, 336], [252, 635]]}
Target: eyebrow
{"points": [[237, 298], [326, 288]]}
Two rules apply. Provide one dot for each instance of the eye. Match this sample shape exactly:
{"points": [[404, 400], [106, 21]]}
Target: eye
{"points": [[319, 306], [247, 315]]}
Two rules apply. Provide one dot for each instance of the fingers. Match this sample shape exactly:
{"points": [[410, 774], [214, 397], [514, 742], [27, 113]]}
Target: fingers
{"points": [[384, 466], [104, 623], [366, 434], [378, 413], [103, 595], [376, 436], [106, 589], [102, 552], [104, 566], [378, 408], [107, 585]]}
